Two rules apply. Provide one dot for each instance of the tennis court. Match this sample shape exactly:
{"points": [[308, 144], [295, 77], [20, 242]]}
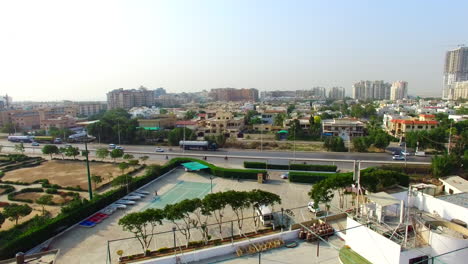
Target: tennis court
{"points": [[182, 190]]}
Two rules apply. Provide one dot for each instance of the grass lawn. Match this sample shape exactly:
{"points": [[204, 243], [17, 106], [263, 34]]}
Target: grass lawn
{"points": [[348, 256]]}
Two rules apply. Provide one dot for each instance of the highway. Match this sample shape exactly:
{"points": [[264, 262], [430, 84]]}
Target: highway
{"points": [[344, 160]]}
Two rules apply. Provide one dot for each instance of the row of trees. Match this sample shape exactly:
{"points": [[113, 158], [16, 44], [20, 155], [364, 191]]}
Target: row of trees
{"points": [[14, 212], [195, 214]]}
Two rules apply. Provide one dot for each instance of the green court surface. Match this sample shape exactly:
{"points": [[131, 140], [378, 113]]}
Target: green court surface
{"points": [[182, 190]]}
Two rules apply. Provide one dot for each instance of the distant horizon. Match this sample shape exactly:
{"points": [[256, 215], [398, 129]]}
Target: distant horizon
{"points": [[81, 50]]}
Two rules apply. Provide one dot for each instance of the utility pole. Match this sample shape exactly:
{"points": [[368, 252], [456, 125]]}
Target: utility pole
{"points": [[184, 141], [450, 138], [118, 129]]}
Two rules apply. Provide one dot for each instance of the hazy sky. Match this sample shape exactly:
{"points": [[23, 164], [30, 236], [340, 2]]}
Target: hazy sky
{"points": [[79, 50]]}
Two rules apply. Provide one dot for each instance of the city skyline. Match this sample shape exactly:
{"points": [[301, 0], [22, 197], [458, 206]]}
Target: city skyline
{"points": [[51, 52]]}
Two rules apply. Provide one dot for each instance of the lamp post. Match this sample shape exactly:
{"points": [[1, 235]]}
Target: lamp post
{"points": [[173, 232], [211, 181], [85, 140]]}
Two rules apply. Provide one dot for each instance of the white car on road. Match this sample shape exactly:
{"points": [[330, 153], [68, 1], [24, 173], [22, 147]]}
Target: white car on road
{"points": [[159, 150]]}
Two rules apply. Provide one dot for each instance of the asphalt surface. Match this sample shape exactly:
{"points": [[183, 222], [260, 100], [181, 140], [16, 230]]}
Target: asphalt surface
{"points": [[342, 159]]}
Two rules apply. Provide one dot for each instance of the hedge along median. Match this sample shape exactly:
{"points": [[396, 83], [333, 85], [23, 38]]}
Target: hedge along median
{"points": [[16, 239], [311, 177], [294, 166]]}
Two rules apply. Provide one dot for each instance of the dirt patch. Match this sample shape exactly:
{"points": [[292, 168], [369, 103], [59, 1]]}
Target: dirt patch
{"points": [[2, 191], [64, 173], [59, 200]]}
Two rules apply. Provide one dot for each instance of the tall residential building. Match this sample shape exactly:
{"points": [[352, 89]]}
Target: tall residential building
{"points": [[399, 90], [460, 90], [126, 99], [233, 94], [371, 90], [337, 93], [455, 70], [319, 93]]}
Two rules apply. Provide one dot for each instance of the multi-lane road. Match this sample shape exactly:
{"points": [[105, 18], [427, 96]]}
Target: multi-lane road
{"points": [[236, 156]]}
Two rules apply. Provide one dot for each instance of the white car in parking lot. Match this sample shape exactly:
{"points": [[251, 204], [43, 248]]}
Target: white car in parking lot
{"points": [[312, 208]]}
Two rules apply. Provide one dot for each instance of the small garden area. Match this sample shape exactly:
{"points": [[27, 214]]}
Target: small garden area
{"points": [[348, 256]]}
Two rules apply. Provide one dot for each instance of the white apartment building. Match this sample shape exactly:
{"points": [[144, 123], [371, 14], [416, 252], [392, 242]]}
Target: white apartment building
{"points": [[399, 90]]}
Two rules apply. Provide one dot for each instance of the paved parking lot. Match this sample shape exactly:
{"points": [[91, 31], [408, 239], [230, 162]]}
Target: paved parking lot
{"points": [[89, 245]]}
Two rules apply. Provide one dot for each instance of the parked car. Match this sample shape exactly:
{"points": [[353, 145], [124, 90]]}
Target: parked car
{"points": [[398, 157], [35, 144], [285, 175], [132, 197], [143, 192], [420, 153], [126, 202], [406, 153], [312, 208], [112, 146], [159, 150], [119, 147]]}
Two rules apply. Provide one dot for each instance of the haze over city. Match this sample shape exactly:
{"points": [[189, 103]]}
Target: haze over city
{"points": [[52, 49]]}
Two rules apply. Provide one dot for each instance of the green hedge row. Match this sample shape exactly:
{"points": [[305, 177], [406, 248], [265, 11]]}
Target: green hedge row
{"points": [[7, 188], [11, 196], [308, 177], [16, 239], [224, 172], [295, 166]]}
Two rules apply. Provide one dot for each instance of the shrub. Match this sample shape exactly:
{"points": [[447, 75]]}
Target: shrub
{"points": [[307, 177], [295, 166], [7, 189], [51, 191]]}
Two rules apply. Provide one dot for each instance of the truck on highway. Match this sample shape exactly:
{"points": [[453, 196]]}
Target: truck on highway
{"points": [[23, 139], [197, 145]]}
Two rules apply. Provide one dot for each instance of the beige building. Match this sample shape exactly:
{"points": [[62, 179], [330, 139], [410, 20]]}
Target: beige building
{"points": [[346, 128], [455, 70], [126, 99], [90, 108], [399, 90], [337, 93], [161, 121], [460, 90], [234, 94], [399, 127], [59, 122], [26, 120], [222, 123], [370, 90]]}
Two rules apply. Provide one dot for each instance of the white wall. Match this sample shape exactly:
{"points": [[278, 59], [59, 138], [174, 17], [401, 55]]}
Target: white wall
{"points": [[223, 250], [371, 245], [443, 208], [442, 244]]}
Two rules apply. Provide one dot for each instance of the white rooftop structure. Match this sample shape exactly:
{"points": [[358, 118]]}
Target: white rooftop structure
{"points": [[454, 184]]}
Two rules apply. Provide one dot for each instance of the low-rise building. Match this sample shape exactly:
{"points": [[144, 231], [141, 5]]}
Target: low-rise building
{"points": [[346, 128], [399, 127], [59, 122], [159, 121], [454, 184], [222, 123]]}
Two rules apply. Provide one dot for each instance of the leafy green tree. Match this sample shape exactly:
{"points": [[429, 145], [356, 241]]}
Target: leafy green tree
{"points": [[144, 159], [239, 201], [381, 141], [45, 200], [183, 211], [96, 179], [72, 152], [190, 115], [127, 156], [216, 203], [2, 219], [290, 108], [15, 211], [20, 148], [142, 225], [123, 166], [258, 198], [335, 144], [249, 115], [444, 165], [133, 162], [116, 153], [114, 123], [62, 151], [279, 119], [295, 130], [361, 144], [321, 193], [50, 150], [177, 134], [102, 153]]}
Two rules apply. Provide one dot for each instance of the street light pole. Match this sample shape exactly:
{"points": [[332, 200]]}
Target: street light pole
{"points": [[211, 180], [90, 190]]}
